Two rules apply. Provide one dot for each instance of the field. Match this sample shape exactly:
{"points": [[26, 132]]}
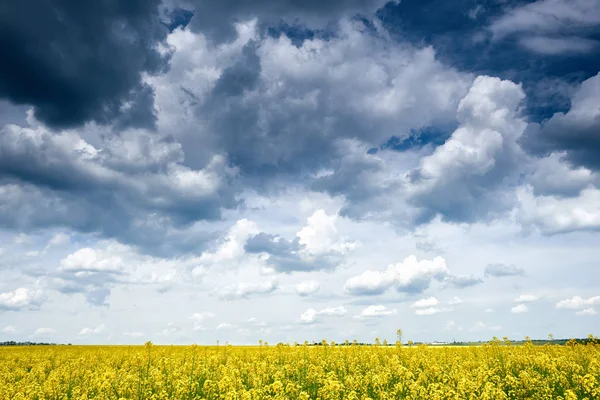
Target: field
{"points": [[492, 371]]}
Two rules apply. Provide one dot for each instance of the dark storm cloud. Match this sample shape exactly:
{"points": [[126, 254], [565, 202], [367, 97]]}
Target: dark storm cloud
{"points": [[296, 33], [357, 175], [352, 177], [177, 18], [77, 61], [243, 75], [216, 18], [262, 136], [576, 132], [26, 208], [289, 119], [49, 180]]}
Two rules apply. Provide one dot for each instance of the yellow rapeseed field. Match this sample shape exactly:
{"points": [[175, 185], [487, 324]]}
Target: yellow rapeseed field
{"points": [[492, 371]]}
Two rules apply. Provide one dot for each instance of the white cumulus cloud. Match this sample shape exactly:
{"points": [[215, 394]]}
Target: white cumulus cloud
{"points": [[526, 298], [307, 288], [93, 331], [587, 311], [410, 275], [376, 311], [245, 290], [21, 298], [519, 309], [578, 302], [310, 315], [428, 302]]}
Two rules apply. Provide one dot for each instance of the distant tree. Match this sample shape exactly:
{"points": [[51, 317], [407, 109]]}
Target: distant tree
{"points": [[399, 335]]}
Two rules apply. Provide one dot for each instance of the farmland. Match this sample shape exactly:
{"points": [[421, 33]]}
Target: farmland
{"points": [[495, 370]]}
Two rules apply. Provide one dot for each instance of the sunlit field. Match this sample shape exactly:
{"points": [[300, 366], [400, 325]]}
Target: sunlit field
{"points": [[491, 371]]}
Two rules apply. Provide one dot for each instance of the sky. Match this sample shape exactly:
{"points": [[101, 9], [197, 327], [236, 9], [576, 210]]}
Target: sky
{"points": [[195, 171]]}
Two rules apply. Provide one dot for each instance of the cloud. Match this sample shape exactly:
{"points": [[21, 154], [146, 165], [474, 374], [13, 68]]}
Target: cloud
{"points": [[22, 239], [59, 239], [462, 281], [21, 299], [310, 315], [497, 270], [270, 130], [41, 332], [9, 329], [455, 300], [431, 311], [554, 176], [224, 326], [245, 290], [75, 64], [357, 174], [553, 215], [170, 330], [519, 309], [466, 178], [202, 316], [548, 17], [588, 311], [156, 185], [558, 45], [410, 276], [428, 302], [317, 246], [376, 311], [141, 196], [94, 272], [230, 251], [93, 331], [307, 288], [450, 325], [90, 260], [578, 302], [526, 298], [574, 133], [216, 19]]}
